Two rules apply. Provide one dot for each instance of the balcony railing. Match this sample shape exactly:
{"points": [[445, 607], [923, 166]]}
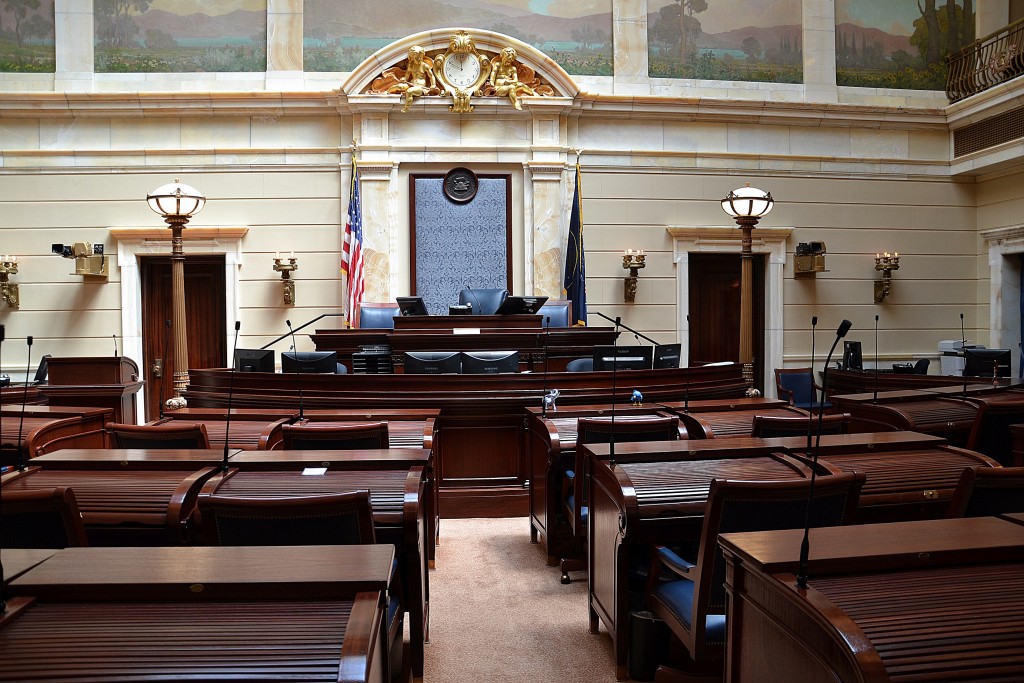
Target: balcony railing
{"points": [[986, 63]]}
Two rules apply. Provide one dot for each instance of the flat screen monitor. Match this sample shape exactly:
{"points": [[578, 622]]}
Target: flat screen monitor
{"points": [[852, 358], [411, 305], [667, 355], [323, 362], [520, 305], [489, 362], [42, 370], [433, 362], [623, 357], [254, 360], [980, 362]]}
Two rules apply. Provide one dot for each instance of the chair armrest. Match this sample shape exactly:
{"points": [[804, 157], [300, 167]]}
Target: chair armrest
{"points": [[673, 561], [785, 394]]}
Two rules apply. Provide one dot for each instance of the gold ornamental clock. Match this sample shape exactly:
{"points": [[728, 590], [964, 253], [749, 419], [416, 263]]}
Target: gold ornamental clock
{"points": [[461, 71]]}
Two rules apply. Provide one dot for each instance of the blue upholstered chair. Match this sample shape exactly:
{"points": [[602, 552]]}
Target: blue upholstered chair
{"points": [[484, 301], [377, 316], [988, 491], [559, 310], [580, 365], [691, 599], [797, 386]]}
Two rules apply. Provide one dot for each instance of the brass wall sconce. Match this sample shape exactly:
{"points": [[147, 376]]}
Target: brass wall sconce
{"points": [[632, 261], [9, 290], [809, 258], [90, 261], [886, 263], [285, 266]]}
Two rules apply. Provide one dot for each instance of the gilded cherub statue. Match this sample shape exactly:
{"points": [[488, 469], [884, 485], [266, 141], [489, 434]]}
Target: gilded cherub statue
{"points": [[505, 79], [418, 78]]}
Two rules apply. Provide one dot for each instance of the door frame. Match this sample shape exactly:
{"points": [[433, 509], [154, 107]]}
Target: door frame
{"points": [[1005, 251], [135, 242], [727, 240]]}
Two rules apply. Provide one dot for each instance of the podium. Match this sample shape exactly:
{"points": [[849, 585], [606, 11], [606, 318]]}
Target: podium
{"points": [[100, 382]]}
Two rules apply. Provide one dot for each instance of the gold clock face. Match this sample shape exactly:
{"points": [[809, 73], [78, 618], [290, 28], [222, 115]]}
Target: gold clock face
{"points": [[462, 70]]}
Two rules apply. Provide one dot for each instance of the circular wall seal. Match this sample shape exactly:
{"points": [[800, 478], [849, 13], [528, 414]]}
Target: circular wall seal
{"points": [[460, 185]]}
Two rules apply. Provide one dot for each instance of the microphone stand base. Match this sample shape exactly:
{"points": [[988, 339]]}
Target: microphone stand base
{"points": [[175, 402]]}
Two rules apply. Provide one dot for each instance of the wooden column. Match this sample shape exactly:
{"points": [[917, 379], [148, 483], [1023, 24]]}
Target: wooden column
{"points": [[178, 320], [747, 298]]}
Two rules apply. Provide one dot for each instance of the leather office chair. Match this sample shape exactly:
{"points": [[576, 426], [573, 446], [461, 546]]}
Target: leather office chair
{"points": [[168, 435], [921, 366], [560, 312], [580, 365], [333, 519], [337, 436], [44, 518], [766, 426], [575, 495], [377, 316], [988, 491], [484, 301], [797, 386], [692, 600]]}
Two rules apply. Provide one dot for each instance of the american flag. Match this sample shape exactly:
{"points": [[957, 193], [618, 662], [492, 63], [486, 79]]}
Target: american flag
{"points": [[352, 251]]}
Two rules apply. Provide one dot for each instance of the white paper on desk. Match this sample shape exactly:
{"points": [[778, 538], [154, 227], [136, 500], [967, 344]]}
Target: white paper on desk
{"points": [[466, 330], [314, 471]]}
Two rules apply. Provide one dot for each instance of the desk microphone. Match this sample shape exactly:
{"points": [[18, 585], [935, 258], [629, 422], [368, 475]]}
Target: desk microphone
{"points": [[163, 367], [3, 580], [963, 352], [24, 400], [814, 325], [298, 375], [805, 544], [686, 386], [874, 399], [615, 367], [231, 391], [544, 395], [115, 344], [477, 310]]}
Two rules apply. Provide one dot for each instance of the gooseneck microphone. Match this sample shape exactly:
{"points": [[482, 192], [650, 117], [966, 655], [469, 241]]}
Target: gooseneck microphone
{"points": [[963, 352], [874, 398], [298, 374], [24, 400], [115, 344], [615, 366], [814, 325], [805, 544], [231, 392], [3, 579], [476, 310], [544, 395], [163, 367], [686, 385]]}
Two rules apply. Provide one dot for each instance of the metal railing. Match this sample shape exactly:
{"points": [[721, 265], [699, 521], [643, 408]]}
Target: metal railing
{"points": [[987, 62]]}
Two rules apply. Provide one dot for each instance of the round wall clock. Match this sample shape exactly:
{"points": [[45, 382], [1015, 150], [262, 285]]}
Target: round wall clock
{"points": [[462, 70], [460, 185]]}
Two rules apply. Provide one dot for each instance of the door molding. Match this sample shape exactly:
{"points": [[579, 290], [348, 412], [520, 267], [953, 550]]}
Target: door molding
{"points": [[135, 242], [1005, 290], [726, 240]]}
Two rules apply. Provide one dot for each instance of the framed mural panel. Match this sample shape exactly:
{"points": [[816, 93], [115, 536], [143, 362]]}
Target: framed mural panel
{"points": [[725, 40], [900, 43], [338, 36], [458, 240], [27, 36], [152, 36]]}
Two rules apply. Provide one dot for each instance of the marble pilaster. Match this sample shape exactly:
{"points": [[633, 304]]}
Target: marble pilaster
{"points": [[379, 240], [629, 26], [819, 50], [73, 39], [284, 44], [545, 215]]}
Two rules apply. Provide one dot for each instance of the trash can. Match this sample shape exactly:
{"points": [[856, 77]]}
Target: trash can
{"points": [[648, 644]]}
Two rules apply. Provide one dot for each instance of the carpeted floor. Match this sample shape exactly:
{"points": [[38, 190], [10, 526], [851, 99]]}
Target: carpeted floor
{"points": [[498, 613]]}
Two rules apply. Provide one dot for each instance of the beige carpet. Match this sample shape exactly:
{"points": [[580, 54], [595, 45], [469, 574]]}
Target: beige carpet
{"points": [[498, 613]]}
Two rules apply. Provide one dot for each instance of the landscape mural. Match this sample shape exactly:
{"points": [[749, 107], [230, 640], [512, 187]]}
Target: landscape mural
{"points": [[728, 40], [26, 36], [180, 35], [577, 34], [900, 43]]}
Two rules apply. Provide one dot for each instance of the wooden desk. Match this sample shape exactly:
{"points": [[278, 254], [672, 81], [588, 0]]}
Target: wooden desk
{"points": [[404, 323], [17, 561], [998, 412], [635, 504], [731, 419], [44, 429], [398, 514], [925, 600], [1016, 517], [134, 459], [208, 613], [946, 416], [123, 505], [100, 381]]}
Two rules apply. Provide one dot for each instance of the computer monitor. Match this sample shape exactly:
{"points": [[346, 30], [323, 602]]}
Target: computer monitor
{"points": [[42, 370], [254, 360], [623, 357], [433, 362], [520, 305], [667, 355], [489, 362], [852, 358], [411, 305], [323, 362], [980, 362]]}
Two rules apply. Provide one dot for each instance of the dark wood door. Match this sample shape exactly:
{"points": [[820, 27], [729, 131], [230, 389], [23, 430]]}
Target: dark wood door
{"points": [[204, 310], [715, 310]]}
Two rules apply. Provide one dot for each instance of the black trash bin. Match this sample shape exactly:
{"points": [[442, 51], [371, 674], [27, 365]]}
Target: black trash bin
{"points": [[648, 644]]}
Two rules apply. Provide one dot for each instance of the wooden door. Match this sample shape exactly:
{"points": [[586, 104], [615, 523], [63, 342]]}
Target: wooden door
{"points": [[715, 310], [204, 309]]}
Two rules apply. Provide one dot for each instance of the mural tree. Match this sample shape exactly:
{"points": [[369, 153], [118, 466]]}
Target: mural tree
{"points": [[114, 24], [20, 10]]}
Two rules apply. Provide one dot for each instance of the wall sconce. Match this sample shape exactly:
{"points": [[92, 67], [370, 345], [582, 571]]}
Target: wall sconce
{"points": [[89, 259], [285, 266], [886, 263], [809, 258], [8, 290], [633, 261]]}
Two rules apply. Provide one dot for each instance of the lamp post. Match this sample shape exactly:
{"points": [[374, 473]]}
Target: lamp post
{"points": [[747, 205], [177, 203]]}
